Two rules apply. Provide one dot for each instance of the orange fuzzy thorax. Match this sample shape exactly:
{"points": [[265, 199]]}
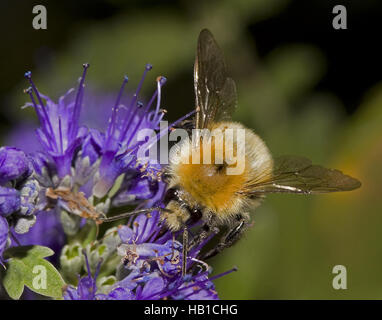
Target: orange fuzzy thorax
{"points": [[208, 185], [212, 189]]}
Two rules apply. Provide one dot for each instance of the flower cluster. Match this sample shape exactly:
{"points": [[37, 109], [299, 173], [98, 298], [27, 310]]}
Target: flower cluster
{"points": [[19, 194], [149, 268], [55, 197]]}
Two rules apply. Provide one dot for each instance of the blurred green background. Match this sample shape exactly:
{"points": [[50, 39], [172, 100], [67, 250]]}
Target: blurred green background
{"points": [[306, 88]]}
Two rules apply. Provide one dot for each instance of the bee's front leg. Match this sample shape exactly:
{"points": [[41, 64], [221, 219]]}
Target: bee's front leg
{"points": [[229, 238]]}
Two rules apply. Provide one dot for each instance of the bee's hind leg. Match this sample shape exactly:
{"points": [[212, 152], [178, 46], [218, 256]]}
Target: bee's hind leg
{"points": [[229, 238]]}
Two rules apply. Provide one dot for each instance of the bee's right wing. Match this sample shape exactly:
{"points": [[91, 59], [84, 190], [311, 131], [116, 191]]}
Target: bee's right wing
{"points": [[293, 174], [215, 92]]}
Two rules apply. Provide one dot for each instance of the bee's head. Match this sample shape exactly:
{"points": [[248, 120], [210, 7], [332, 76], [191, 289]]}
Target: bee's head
{"points": [[177, 213]]}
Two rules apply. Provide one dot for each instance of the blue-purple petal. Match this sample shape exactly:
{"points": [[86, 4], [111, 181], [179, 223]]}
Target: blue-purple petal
{"points": [[9, 201], [92, 145], [47, 231], [40, 161], [152, 289], [13, 164], [121, 294], [126, 234]]}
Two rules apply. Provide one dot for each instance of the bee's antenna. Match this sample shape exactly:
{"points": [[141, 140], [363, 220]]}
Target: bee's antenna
{"points": [[134, 212]]}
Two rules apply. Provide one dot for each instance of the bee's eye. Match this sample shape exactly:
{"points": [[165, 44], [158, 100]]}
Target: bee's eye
{"points": [[196, 214], [171, 194]]}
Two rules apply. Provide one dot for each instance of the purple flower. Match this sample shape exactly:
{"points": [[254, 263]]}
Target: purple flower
{"points": [[93, 159], [13, 164], [157, 269], [15, 169], [19, 194], [119, 144], [86, 289], [153, 267], [98, 158], [60, 133], [101, 172]]}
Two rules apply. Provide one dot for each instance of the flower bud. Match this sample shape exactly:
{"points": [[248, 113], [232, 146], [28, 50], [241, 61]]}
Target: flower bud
{"points": [[71, 261], [13, 164]]}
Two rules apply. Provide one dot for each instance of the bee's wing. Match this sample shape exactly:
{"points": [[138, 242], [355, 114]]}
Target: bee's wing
{"points": [[215, 93], [293, 174]]}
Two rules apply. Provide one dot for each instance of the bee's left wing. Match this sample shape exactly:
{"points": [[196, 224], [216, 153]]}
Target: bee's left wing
{"points": [[215, 92], [292, 174]]}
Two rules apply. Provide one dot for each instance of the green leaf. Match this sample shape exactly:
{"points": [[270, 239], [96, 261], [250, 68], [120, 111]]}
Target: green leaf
{"points": [[13, 279], [23, 251], [27, 267]]}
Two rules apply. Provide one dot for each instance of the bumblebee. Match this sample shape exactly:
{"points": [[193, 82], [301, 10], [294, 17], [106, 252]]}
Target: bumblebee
{"points": [[204, 191]]}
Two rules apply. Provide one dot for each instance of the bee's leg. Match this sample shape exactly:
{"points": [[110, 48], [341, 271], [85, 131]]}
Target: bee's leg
{"points": [[197, 239], [229, 239], [205, 231], [185, 251]]}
